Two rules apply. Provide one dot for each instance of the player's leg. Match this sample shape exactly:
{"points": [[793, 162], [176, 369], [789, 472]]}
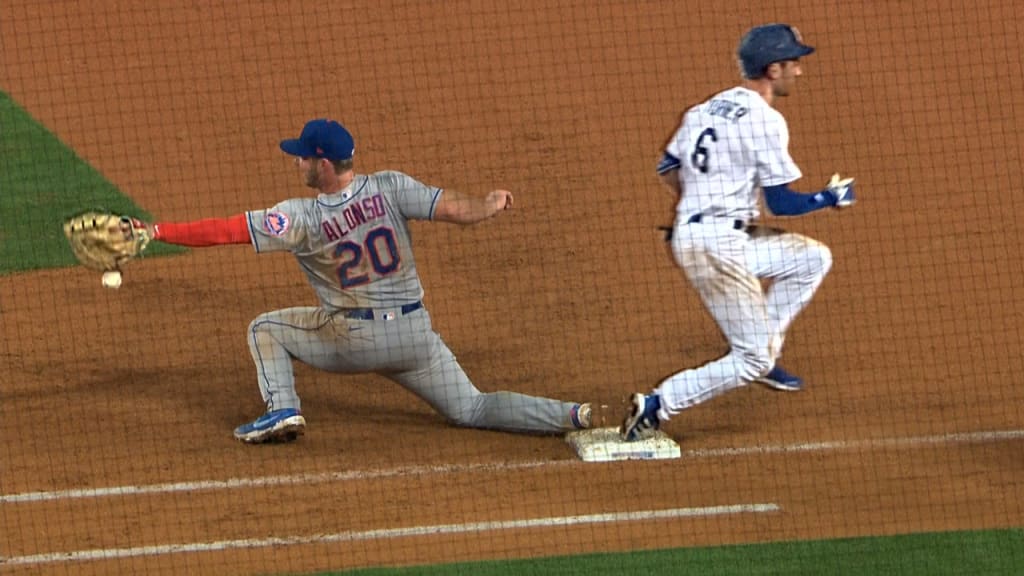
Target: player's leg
{"points": [[441, 382], [312, 336], [716, 268], [331, 343], [796, 265], [274, 339]]}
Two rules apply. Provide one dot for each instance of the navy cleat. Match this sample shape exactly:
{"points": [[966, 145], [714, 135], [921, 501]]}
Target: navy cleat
{"points": [[779, 379], [642, 420], [276, 426]]}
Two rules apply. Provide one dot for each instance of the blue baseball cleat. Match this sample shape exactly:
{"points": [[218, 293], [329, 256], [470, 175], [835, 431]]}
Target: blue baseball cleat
{"points": [[276, 426], [642, 420], [779, 379]]}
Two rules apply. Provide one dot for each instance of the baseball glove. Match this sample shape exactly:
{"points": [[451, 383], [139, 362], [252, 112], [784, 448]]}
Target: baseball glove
{"points": [[104, 241]]}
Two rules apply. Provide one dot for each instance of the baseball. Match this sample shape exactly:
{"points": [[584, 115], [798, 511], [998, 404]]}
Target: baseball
{"points": [[112, 279]]}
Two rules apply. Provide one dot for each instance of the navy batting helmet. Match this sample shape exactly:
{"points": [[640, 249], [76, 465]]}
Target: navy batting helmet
{"points": [[763, 45]]}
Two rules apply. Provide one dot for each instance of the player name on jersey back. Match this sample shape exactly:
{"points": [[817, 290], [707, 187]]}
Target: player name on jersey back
{"points": [[726, 109], [353, 216]]}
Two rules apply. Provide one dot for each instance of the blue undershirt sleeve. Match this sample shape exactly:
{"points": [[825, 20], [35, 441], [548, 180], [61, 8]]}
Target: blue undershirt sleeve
{"points": [[785, 202], [668, 163]]}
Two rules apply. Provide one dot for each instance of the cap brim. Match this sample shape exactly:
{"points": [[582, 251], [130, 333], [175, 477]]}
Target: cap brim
{"points": [[805, 51], [297, 148]]}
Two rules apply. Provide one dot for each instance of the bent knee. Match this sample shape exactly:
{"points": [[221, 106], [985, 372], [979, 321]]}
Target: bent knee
{"points": [[819, 258], [261, 322], [754, 364], [467, 415], [462, 420], [254, 326]]}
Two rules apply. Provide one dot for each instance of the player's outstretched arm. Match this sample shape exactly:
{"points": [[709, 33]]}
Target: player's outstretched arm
{"points": [[207, 232], [462, 209]]}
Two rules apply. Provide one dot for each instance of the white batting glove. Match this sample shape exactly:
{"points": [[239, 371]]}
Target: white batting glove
{"points": [[842, 190]]}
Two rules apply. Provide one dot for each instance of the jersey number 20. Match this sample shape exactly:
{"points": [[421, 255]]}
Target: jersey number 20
{"points": [[351, 256], [699, 157]]}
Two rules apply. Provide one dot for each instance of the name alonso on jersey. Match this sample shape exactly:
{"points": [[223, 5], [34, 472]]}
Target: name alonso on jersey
{"points": [[353, 216]]}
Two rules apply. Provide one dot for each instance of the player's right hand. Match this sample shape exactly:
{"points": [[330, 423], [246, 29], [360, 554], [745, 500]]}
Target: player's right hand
{"points": [[500, 199], [841, 190]]}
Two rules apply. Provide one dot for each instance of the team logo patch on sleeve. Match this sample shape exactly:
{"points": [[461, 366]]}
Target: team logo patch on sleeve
{"points": [[277, 223]]}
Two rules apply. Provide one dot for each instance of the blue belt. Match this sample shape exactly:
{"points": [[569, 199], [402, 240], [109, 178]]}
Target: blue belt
{"points": [[736, 224], [370, 313]]}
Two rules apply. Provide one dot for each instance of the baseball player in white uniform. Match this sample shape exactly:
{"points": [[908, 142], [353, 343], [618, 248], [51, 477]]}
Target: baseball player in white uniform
{"points": [[726, 149], [352, 242]]}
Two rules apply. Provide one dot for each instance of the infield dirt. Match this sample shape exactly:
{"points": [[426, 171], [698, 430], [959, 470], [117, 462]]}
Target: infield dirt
{"points": [[916, 333]]}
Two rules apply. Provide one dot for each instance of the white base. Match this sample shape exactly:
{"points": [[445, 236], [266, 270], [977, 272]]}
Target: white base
{"points": [[605, 445]]}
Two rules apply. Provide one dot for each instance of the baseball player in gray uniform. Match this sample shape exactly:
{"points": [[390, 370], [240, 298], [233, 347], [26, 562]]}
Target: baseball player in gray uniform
{"points": [[726, 148], [353, 244]]}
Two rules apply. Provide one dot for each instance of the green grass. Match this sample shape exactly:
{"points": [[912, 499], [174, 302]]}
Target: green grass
{"points": [[42, 182], [997, 552]]}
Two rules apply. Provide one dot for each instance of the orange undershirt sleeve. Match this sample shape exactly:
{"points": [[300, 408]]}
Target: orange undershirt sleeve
{"points": [[207, 232]]}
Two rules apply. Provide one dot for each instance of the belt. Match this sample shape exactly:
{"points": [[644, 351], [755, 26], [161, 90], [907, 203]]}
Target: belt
{"points": [[736, 224], [387, 314]]}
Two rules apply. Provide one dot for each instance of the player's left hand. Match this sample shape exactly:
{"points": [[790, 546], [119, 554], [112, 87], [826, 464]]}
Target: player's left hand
{"points": [[841, 190], [105, 241]]}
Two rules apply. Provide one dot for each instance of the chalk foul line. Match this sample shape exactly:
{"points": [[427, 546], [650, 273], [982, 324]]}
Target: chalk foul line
{"points": [[387, 533], [357, 475]]}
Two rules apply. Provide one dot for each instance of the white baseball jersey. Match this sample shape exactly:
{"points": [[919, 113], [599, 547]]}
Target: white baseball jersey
{"points": [[729, 146]]}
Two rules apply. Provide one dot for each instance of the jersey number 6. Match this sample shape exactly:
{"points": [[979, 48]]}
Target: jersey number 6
{"points": [[699, 157], [351, 256]]}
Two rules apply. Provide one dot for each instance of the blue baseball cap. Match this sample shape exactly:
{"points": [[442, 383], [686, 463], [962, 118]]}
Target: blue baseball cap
{"points": [[322, 138], [763, 45]]}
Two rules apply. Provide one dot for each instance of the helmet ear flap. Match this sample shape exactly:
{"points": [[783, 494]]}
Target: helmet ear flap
{"points": [[750, 70]]}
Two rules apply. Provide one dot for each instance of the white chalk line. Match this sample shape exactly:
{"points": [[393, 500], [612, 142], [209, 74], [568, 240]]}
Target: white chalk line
{"points": [[387, 533], [358, 475], [381, 534], [865, 444], [271, 481]]}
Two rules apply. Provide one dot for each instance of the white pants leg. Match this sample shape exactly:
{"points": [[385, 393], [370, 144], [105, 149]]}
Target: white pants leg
{"points": [[713, 256], [796, 266], [725, 266]]}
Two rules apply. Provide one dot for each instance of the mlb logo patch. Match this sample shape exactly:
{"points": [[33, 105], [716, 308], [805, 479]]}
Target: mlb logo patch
{"points": [[277, 223]]}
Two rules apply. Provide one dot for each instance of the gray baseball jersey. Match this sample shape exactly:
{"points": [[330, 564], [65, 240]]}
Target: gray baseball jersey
{"points": [[354, 245], [356, 251]]}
